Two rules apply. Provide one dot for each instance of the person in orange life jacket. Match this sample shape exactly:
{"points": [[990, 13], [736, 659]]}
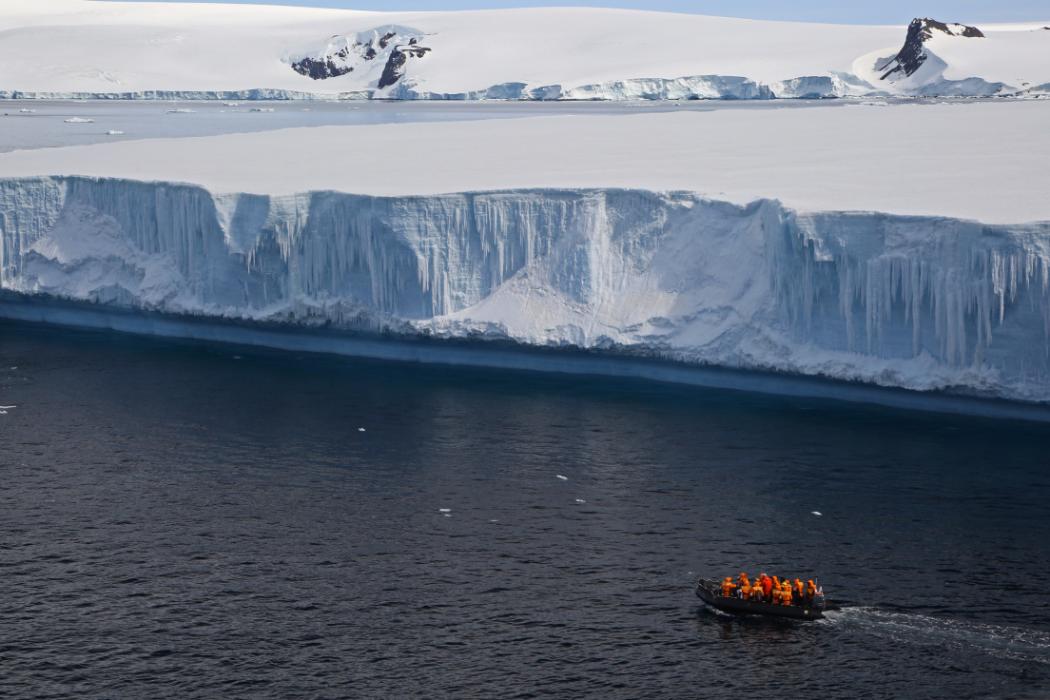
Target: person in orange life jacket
{"points": [[785, 592], [767, 587], [727, 587]]}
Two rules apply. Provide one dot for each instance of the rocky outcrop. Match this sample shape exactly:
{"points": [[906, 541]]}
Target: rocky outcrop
{"points": [[389, 47], [913, 54]]}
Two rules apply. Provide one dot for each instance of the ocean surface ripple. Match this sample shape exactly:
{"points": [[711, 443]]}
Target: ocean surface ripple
{"points": [[198, 521]]}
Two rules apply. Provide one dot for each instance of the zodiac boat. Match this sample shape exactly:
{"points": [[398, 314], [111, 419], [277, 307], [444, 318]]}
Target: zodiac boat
{"points": [[710, 591]]}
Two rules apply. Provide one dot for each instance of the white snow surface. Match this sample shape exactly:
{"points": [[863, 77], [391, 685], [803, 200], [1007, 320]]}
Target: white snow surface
{"points": [[67, 47], [985, 161]]}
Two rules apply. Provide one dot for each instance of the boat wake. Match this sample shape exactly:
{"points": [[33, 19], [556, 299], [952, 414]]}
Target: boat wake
{"points": [[1002, 641]]}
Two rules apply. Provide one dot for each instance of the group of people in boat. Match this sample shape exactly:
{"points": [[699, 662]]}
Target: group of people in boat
{"points": [[771, 589]]}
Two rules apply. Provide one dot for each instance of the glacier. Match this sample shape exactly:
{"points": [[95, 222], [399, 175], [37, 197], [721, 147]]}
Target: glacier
{"points": [[915, 302]]}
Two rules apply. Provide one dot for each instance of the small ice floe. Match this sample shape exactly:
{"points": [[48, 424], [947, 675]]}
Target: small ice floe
{"points": [[26, 110], [444, 510], [79, 120], [816, 513], [261, 109], [236, 357], [5, 409], [494, 520], [562, 477], [180, 110], [360, 430], [114, 132], [580, 500], [231, 104]]}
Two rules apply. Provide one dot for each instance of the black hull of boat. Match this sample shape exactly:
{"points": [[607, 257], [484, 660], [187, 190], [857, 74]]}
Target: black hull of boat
{"points": [[708, 592]]}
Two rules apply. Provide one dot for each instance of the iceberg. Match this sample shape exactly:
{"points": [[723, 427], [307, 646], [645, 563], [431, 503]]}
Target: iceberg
{"points": [[916, 302]]}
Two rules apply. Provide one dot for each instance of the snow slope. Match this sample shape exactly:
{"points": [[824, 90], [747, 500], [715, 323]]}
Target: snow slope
{"points": [[587, 240], [77, 47]]}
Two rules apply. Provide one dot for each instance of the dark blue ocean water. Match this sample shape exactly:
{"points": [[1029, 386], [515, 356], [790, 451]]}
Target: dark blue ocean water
{"points": [[188, 521]]}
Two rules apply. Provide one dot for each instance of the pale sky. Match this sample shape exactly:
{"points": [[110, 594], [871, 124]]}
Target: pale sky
{"points": [[850, 11]]}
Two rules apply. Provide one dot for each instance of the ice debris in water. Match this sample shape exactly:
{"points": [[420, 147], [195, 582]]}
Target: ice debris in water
{"points": [[26, 110], [79, 120], [360, 430], [562, 477], [580, 500], [444, 510], [816, 513], [114, 132]]}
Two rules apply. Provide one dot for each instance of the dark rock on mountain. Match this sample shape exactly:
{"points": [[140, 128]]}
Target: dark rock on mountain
{"points": [[343, 54], [394, 69], [913, 54]]}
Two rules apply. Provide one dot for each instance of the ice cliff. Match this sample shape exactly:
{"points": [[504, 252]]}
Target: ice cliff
{"points": [[914, 302]]}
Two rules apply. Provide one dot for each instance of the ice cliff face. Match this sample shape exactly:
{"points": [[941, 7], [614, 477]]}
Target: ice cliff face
{"points": [[915, 302]]}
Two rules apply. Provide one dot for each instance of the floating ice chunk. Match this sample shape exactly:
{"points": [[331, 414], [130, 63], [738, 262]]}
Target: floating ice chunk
{"points": [[79, 120], [580, 500], [360, 430], [114, 132], [261, 109], [562, 477], [817, 513], [494, 520], [4, 408], [180, 110], [232, 104], [26, 110], [444, 510], [447, 515]]}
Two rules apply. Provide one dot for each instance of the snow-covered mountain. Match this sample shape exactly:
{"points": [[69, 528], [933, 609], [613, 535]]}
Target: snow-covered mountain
{"points": [[83, 48]]}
